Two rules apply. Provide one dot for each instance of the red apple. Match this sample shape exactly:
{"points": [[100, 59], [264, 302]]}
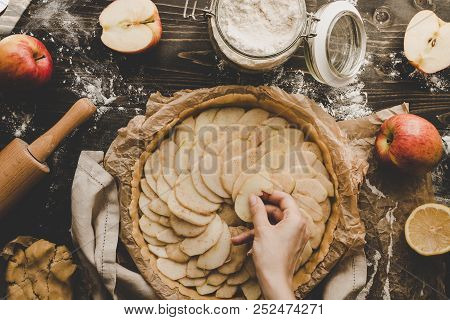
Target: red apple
{"points": [[410, 143], [24, 62]]}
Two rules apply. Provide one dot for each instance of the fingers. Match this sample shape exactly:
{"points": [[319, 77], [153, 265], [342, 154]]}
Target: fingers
{"points": [[244, 237], [275, 213], [258, 211], [282, 200]]}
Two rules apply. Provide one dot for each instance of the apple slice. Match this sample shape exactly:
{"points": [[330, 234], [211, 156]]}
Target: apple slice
{"points": [[251, 290], [210, 171], [204, 241], [276, 123], [195, 272], [254, 117], [311, 188], [168, 236], [229, 216], [309, 205], [201, 187], [237, 255], [426, 43], [158, 251], [216, 279], [184, 228], [187, 215], [175, 254], [314, 148], [238, 278], [306, 254], [160, 207], [227, 116], [163, 188], [205, 289], [188, 282], [217, 255], [150, 228], [184, 132], [255, 185], [226, 291], [130, 27], [205, 118], [188, 196], [171, 269], [152, 240]]}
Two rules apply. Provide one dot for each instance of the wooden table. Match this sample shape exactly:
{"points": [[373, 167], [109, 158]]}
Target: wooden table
{"points": [[120, 85]]}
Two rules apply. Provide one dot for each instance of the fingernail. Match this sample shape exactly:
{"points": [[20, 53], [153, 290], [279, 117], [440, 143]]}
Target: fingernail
{"points": [[253, 200]]}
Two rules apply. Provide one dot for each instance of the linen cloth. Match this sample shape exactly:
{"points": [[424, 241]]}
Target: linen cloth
{"points": [[95, 230]]}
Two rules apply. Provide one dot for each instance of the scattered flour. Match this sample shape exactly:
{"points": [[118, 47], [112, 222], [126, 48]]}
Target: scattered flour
{"points": [[17, 123], [390, 218], [260, 27], [349, 102], [362, 295], [375, 190]]}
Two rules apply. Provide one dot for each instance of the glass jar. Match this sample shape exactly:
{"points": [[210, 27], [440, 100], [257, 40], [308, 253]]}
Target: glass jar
{"points": [[334, 39]]}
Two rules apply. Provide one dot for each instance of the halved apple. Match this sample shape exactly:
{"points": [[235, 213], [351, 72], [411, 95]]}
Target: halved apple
{"points": [[130, 26], [426, 43]]}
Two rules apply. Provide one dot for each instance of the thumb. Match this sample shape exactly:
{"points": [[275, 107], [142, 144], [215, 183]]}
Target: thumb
{"points": [[258, 211]]}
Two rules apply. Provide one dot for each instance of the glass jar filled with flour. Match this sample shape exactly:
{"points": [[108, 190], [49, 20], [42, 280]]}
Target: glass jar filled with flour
{"points": [[258, 35]]}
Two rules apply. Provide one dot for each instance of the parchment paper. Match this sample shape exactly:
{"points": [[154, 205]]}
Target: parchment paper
{"points": [[350, 144]]}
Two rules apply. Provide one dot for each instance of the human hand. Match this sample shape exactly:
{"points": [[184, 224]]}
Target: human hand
{"points": [[276, 247]]}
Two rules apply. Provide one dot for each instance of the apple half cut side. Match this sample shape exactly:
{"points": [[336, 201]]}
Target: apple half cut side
{"points": [[130, 26], [427, 42]]}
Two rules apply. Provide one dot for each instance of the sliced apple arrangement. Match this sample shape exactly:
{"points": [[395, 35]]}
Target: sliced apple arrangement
{"points": [[130, 26], [195, 190], [427, 42]]}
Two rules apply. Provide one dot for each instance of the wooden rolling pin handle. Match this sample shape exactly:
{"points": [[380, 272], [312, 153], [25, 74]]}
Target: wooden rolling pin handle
{"points": [[43, 146]]}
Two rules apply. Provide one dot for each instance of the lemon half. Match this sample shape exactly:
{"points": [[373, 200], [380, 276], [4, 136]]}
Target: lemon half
{"points": [[427, 229]]}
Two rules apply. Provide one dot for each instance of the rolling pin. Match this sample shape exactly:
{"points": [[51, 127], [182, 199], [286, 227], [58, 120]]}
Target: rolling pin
{"points": [[23, 165]]}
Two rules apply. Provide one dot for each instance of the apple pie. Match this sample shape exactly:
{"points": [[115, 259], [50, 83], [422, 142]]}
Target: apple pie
{"points": [[190, 193]]}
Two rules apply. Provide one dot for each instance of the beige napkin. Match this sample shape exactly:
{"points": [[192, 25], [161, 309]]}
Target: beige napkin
{"points": [[95, 230], [11, 15]]}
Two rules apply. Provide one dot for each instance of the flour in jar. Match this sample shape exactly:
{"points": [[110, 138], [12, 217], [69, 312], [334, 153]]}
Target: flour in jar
{"points": [[260, 27]]}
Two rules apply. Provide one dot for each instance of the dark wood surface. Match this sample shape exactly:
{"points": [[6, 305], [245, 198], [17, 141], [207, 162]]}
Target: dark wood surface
{"points": [[184, 59]]}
